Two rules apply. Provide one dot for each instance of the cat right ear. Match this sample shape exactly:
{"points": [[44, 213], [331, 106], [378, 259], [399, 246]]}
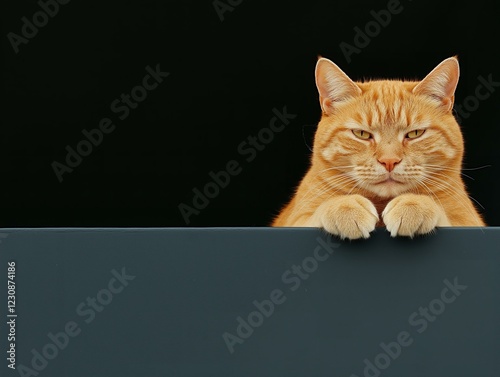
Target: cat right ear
{"points": [[333, 85], [441, 83]]}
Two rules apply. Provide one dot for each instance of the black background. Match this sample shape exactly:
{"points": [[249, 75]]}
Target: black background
{"points": [[225, 79]]}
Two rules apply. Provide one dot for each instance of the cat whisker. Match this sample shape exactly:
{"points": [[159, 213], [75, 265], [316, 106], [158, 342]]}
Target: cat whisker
{"points": [[437, 167], [358, 183], [322, 187], [446, 187], [431, 193], [476, 168], [432, 168], [457, 190], [336, 168]]}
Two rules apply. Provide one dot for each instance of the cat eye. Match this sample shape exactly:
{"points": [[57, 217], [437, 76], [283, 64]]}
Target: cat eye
{"points": [[362, 134], [414, 134]]}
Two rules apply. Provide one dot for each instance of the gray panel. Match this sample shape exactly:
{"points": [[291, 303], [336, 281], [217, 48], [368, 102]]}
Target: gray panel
{"points": [[191, 285]]}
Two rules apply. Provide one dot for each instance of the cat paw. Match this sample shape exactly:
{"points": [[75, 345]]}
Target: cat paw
{"points": [[350, 216], [410, 214]]}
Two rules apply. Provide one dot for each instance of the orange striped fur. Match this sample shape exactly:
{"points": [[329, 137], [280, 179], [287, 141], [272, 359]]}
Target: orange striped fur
{"points": [[386, 153]]}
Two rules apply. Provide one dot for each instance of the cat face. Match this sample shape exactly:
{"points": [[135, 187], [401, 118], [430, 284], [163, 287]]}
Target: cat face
{"points": [[388, 137]]}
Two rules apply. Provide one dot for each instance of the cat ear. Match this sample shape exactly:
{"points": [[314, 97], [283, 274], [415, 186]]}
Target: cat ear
{"points": [[333, 85], [441, 83]]}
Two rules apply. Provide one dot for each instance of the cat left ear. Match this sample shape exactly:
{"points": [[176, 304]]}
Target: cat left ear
{"points": [[333, 84], [441, 83]]}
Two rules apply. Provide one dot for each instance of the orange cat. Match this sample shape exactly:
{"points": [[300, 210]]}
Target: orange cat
{"points": [[385, 153]]}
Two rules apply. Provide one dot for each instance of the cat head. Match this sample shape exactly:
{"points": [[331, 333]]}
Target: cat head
{"points": [[387, 137]]}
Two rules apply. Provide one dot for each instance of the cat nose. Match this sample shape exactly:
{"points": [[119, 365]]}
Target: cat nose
{"points": [[389, 163]]}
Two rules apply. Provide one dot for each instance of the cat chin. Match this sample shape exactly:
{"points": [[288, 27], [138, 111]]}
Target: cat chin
{"points": [[389, 189]]}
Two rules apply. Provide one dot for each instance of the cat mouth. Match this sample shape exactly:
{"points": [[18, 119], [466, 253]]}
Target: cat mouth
{"points": [[389, 180]]}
